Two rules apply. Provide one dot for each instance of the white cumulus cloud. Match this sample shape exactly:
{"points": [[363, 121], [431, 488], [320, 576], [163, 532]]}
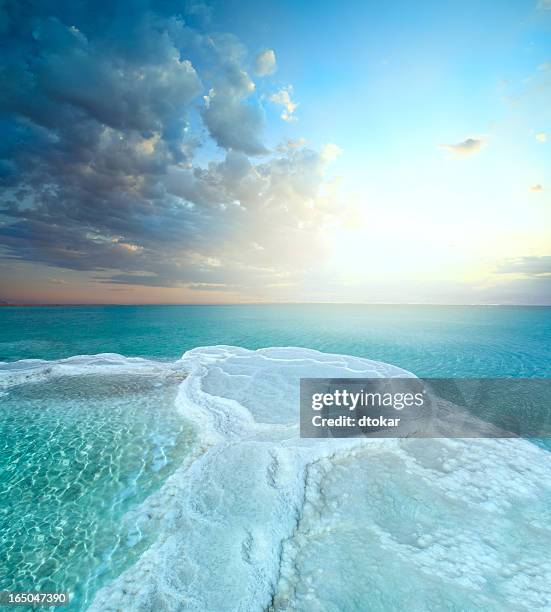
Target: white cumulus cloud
{"points": [[465, 147], [330, 151], [265, 63], [283, 98]]}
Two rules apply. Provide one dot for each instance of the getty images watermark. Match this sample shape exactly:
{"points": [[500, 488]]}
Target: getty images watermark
{"points": [[436, 408]]}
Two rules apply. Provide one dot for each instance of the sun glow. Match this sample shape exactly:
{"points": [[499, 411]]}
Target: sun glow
{"points": [[400, 247]]}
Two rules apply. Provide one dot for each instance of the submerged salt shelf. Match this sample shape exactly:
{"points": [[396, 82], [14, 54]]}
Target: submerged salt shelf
{"points": [[262, 519]]}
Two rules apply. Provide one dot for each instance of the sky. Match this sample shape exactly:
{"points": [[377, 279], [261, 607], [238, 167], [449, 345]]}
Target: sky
{"points": [[184, 152]]}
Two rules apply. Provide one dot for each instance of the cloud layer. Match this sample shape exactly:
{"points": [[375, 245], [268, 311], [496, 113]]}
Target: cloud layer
{"points": [[108, 113], [533, 266]]}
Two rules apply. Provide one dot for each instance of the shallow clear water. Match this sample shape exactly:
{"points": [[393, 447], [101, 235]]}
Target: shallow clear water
{"points": [[470, 341], [76, 454]]}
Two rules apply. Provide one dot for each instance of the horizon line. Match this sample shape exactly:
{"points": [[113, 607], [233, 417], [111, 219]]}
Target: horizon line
{"points": [[321, 303]]}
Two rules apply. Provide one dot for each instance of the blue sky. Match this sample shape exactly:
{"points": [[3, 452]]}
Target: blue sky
{"points": [[276, 151]]}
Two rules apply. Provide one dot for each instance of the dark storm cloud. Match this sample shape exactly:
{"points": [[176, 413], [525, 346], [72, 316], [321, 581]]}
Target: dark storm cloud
{"points": [[231, 123], [103, 106]]}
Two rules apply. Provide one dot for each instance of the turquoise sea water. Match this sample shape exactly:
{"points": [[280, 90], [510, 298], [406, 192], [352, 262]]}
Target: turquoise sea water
{"points": [[76, 454], [83, 446], [445, 341]]}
